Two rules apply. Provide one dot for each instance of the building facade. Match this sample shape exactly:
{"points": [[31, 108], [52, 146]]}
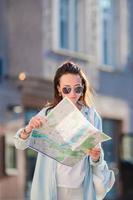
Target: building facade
{"points": [[35, 38]]}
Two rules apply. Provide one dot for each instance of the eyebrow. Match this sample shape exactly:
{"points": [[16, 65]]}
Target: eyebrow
{"points": [[74, 85]]}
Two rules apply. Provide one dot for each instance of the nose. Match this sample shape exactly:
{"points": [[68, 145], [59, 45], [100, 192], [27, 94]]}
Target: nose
{"points": [[72, 93]]}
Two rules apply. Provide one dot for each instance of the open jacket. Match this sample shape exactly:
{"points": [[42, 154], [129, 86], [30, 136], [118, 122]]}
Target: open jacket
{"points": [[98, 178]]}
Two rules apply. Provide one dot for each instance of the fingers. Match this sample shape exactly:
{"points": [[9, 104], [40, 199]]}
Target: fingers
{"points": [[94, 150], [94, 153], [36, 122]]}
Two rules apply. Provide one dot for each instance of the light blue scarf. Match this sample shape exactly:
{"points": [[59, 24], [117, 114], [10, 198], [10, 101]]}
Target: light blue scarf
{"points": [[88, 187]]}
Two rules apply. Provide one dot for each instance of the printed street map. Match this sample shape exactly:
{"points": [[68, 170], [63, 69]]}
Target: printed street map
{"points": [[66, 135]]}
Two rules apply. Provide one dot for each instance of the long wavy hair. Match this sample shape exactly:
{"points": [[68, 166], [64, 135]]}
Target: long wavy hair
{"points": [[72, 68]]}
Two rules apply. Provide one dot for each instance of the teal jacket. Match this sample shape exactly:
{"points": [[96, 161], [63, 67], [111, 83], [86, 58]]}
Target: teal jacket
{"points": [[98, 178]]}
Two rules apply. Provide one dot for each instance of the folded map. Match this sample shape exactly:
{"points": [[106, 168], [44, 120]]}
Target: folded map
{"points": [[67, 134]]}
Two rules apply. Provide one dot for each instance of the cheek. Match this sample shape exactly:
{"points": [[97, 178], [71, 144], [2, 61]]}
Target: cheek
{"points": [[64, 95], [77, 96]]}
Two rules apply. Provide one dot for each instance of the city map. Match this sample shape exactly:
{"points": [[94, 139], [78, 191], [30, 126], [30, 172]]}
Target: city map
{"points": [[66, 135]]}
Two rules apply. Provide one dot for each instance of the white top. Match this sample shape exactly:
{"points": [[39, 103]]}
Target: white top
{"points": [[70, 177]]}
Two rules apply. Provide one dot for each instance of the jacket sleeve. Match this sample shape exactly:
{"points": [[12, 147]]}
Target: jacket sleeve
{"points": [[103, 177], [21, 143]]}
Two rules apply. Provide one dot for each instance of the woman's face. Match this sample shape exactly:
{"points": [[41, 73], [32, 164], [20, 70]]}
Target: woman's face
{"points": [[71, 87]]}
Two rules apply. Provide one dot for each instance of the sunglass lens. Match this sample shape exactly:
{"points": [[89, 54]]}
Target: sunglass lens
{"points": [[66, 90], [79, 90]]}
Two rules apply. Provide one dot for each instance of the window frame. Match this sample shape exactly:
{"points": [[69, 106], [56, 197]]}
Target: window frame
{"points": [[9, 142], [72, 41], [108, 56]]}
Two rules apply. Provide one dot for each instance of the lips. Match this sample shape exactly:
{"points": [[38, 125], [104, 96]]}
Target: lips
{"points": [[74, 100]]}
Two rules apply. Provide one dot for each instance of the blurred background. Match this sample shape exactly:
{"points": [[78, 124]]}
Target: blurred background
{"points": [[36, 36]]}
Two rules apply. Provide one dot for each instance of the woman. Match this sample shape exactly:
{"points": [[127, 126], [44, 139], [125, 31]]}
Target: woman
{"points": [[90, 179]]}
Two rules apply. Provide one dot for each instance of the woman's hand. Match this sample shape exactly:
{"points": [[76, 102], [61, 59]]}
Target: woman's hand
{"points": [[94, 153], [35, 122]]}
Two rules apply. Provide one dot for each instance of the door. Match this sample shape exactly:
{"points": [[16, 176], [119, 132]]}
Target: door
{"points": [[111, 153]]}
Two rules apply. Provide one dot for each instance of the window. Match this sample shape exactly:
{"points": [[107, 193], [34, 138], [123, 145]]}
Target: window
{"points": [[111, 153], [108, 32], [127, 148], [10, 155], [109, 127], [68, 24], [65, 26]]}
